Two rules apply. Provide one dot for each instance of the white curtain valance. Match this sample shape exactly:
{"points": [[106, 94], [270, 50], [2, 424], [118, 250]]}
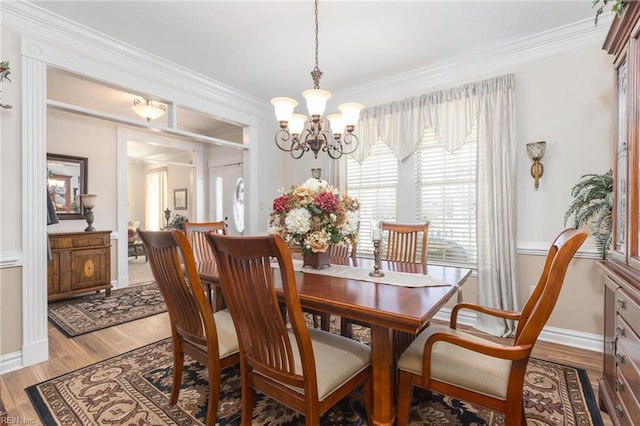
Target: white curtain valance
{"points": [[452, 113]]}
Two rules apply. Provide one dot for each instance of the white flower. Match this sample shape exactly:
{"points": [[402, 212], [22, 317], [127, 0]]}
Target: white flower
{"points": [[298, 221], [350, 225], [315, 185]]}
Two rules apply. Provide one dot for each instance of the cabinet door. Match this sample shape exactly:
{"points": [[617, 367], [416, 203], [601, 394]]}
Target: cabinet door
{"points": [[53, 274], [633, 173], [621, 160], [609, 349], [89, 268]]}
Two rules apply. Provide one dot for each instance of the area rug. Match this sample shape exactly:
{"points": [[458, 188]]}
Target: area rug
{"points": [[93, 312], [133, 389]]}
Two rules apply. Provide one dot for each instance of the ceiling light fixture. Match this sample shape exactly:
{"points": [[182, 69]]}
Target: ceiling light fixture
{"points": [[295, 139], [147, 109]]}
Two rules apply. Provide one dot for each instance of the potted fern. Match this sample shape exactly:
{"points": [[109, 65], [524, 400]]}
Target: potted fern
{"points": [[592, 205]]}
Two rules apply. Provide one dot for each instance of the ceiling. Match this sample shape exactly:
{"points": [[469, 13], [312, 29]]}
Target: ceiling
{"points": [[266, 48]]}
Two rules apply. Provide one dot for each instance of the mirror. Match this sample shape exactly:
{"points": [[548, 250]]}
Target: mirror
{"points": [[66, 180]]}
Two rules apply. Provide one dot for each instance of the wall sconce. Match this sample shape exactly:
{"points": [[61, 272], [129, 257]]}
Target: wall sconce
{"points": [[535, 151]]}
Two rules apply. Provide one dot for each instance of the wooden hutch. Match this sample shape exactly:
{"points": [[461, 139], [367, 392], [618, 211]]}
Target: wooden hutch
{"points": [[619, 388]]}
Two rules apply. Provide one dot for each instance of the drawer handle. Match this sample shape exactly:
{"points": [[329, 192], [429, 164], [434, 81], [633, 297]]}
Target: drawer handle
{"points": [[619, 411], [619, 384], [619, 358], [619, 330], [620, 303], [612, 344]]}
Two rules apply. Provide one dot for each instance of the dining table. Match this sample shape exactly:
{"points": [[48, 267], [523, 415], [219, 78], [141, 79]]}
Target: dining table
{"points": [[397, 307]]}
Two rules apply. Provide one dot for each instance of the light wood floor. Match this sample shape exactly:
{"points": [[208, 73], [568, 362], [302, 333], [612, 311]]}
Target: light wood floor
{"points": [[69, 354]]}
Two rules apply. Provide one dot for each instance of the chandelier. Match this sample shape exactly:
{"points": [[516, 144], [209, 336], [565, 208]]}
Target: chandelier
{"points": [[336, 140], [147, 109]]}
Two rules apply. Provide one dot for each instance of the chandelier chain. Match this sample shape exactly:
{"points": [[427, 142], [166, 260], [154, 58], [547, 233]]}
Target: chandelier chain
{"points": [[316, 73]]}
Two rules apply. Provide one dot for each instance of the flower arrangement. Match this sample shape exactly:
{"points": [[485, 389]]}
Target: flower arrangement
{"points": [[314, 215]]}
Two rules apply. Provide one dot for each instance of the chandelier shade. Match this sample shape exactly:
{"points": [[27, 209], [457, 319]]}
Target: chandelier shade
{"points": [[147, 109], [316, 101], [336, 122], [296, 124], [336, 139], [351, 113], [284, 108]]}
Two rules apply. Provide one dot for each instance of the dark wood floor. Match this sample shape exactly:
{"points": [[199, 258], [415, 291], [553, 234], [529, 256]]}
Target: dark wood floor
{"points": [[69, 354]]}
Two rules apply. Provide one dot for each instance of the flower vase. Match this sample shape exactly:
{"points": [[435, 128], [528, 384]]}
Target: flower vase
{"points": [[317, 260]]}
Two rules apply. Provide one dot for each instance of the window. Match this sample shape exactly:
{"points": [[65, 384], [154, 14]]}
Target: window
{"points": [[446, 197], [444, 188], [374, 184]]}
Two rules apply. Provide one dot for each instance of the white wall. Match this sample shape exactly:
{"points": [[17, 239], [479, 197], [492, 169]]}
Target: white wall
{"points": [[72, 134], [566, 100]]}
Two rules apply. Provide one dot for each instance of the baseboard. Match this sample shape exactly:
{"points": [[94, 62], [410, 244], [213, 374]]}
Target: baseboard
{"points": [[10, 362], [560, 336], [35, 352]]}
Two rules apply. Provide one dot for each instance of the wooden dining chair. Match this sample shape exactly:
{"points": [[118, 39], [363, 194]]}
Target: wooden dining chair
{"points": [[405, 241], [208, 337], [339, 252], [320, 319], [195, 232], [471, 368], [306, 369]]}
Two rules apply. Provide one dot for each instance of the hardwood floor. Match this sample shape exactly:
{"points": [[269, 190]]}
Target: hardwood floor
{"points": [[69, 354]]}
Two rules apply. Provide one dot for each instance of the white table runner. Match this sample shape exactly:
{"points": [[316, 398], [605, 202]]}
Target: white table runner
{"points": [[402, 279]]}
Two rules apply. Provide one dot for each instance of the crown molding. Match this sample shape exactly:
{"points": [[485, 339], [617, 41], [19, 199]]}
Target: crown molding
{"points": [[557, 41], [32, 21]]}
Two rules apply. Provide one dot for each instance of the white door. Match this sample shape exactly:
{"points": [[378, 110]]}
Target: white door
{"points": [[227, 197]]}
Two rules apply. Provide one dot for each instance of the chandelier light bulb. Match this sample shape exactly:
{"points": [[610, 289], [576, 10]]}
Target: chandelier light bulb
{"points": [[296, 124], [284, 108], [351, 113], [316, 101], [336, 122]]}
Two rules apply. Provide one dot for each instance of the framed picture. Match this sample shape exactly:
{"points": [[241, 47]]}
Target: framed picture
{"points": [[180, 199]]}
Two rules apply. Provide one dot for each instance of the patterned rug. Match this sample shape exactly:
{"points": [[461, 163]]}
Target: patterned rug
{"points": [[93, 312], [133, 389]]}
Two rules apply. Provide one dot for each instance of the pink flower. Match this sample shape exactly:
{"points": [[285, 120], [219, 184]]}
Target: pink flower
{"points": [[280, 204], [326, 201]]}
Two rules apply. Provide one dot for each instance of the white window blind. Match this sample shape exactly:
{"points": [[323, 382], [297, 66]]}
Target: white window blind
{"points": [[374, 184], [446, 196]]}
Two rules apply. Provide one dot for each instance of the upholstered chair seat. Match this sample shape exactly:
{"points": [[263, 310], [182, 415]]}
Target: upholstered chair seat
{"points": [[459, 366], [337, 360]]}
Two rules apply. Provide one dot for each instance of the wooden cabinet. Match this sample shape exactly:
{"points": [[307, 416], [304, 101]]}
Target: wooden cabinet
{"points": [[81, 263], [619, 388]]}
